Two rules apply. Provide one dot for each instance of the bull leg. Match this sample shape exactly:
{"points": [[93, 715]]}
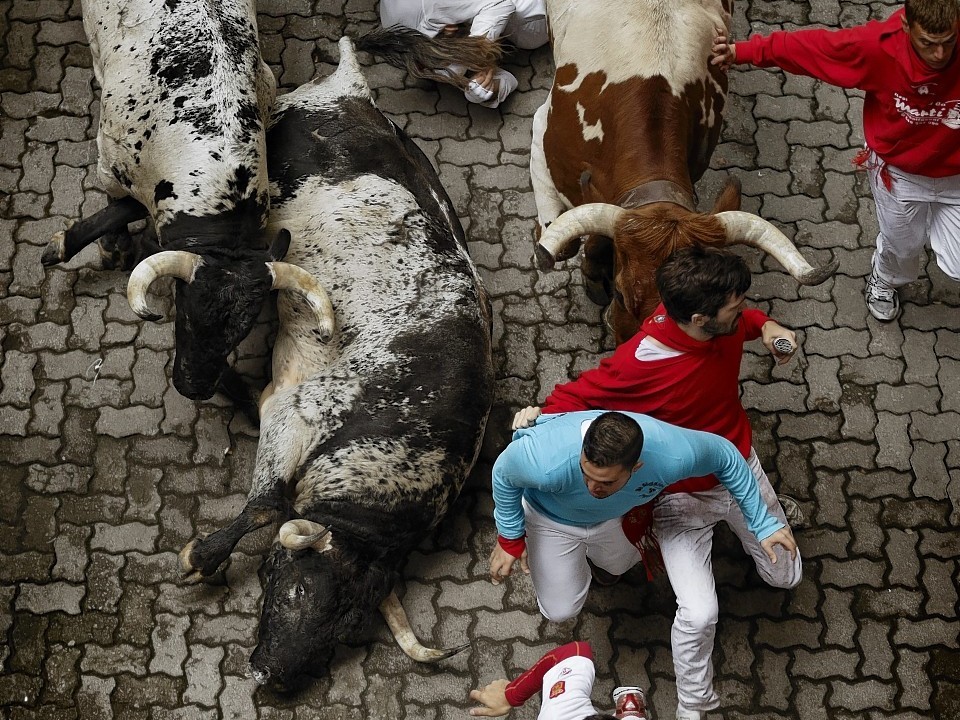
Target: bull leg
{"points": [[597, 269], [113, 218], [202, 556], [285, 440], [549, 203]]}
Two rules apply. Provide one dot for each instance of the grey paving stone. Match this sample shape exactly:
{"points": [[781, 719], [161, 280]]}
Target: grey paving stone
{"points": [[16, 377], [93, 698], [856, 696], [52, 597], [915, 680], [169, 645], [37, 167], [824, 663], [131, 536], [71, 551], [874, 643], [204, 680]]}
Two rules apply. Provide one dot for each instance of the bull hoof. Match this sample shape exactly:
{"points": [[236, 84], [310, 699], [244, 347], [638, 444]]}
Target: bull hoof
{"points": [[190, 570], [56, 249]]}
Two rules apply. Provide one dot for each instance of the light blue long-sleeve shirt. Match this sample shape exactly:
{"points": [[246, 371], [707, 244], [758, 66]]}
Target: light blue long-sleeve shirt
{"points": [[542, 465]]}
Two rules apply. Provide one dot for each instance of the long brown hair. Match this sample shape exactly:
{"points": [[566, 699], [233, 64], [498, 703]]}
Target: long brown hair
{"points": [[422, 56]]}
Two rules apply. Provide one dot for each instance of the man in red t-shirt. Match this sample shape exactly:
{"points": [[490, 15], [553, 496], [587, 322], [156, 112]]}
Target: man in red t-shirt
{"points": [[907, 67], [683, 367], [565, 676]]}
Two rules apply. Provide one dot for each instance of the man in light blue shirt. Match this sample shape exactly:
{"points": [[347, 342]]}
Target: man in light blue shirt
{"points": [[562, 486]]}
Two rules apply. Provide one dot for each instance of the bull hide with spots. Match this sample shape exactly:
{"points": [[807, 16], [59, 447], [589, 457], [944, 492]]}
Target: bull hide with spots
{"points": [[181, 139], [630, 124], [365, 441]]}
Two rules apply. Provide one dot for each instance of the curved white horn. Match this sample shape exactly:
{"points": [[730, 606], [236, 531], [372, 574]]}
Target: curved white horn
{"points": [[301, 534], [750, 229], [396, 618], [178, 263], [287, 276], [589, 219]]}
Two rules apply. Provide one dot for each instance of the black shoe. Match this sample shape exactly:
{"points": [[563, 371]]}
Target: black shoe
{"points": [[601, 577], [796, 518]]}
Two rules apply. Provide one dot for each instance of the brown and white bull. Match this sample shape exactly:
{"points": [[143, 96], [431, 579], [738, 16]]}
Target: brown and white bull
{"points": [[184, 96], [627, 129]]}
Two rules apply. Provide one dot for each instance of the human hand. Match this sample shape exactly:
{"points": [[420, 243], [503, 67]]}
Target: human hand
{"points": [[525, 418], [493, 698], [782, 537], [724, 52], [772, 331], [501, 563], [485, 79]]}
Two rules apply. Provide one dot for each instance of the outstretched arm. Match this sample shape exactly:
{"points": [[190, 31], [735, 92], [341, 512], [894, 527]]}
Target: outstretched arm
{"points": [[492, 698], [724, 52], [499, 696]]}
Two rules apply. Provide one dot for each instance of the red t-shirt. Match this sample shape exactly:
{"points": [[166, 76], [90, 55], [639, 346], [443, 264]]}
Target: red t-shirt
{"points": [[911, 112], [529, 682], [697, 389]]}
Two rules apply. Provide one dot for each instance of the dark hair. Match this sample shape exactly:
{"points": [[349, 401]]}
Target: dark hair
{"points": [[700, 279], [613, 439], [933, 16], [601, 716]]}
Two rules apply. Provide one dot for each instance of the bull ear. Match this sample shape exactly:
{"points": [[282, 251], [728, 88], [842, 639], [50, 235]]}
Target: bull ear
{"points": [[351, 622], [280, 246], [301, 534]]}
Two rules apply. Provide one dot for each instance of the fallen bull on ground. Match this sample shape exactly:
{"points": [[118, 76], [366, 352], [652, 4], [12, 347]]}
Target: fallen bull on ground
{"points": [[369, 437]]}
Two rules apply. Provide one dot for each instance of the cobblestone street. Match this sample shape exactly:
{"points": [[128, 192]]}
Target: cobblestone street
{"points": [[106, 472]]}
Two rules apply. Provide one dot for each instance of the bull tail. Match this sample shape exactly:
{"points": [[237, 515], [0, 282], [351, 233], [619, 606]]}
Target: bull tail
{"points": [[428, 58]]}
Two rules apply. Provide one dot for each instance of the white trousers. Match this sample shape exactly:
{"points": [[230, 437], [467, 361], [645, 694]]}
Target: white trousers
{"points": [[558, 554], [566, 690], [683, 523], [915, 208], [527, 31]]}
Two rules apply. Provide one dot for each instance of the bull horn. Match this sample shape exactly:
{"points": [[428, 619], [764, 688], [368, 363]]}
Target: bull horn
{"points": [[396, 618], [750, 229], [287, 276], [178, 263], [301, 534], [589, 219]]}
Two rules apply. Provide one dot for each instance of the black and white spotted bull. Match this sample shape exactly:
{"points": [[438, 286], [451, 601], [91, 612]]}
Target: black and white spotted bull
{"points": [[630, 123], [364, 441], [181, 139]]}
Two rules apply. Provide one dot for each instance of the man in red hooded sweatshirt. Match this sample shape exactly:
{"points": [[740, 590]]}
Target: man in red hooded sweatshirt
{"points": [[683, 367], [907, 67]]}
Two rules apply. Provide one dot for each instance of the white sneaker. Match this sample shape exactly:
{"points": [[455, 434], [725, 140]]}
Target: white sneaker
{"points": [[882, 300], [685, 714]]}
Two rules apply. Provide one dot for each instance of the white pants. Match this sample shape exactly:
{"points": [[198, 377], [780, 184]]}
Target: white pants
{"points": [[527, 31], [566, 690], [683, 523], [915, 208], [558, 554]]}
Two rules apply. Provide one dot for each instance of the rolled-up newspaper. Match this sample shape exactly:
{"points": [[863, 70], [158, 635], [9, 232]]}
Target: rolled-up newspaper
{"points": [[783, 345]]}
